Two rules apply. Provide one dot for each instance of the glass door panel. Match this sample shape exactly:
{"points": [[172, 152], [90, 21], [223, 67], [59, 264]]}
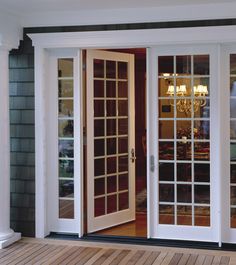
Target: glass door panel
{"points": [[110, 139]]}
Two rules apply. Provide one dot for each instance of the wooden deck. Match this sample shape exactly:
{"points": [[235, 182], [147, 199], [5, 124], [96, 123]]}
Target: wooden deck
{"points": [[49, 251]]}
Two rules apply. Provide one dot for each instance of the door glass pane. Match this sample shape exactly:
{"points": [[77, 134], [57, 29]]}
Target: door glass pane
{"points": [[65, 138], [111, 136], [184, 139]]}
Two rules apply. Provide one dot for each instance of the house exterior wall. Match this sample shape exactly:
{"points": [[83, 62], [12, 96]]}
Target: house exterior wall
{"points": [[21, 91]]}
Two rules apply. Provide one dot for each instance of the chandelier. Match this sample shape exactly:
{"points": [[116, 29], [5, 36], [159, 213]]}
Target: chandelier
{"points": [[185, 105]]}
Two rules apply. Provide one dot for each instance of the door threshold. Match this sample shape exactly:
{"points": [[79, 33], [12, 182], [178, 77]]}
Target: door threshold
{"points": [[144, 241]]}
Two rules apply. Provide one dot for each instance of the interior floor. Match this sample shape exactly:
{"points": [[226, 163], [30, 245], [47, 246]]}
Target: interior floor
{"points": [[137, 228]]}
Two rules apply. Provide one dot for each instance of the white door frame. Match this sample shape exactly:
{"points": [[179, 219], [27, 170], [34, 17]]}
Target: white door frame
{"points": [[106, 39], [177, 231]]}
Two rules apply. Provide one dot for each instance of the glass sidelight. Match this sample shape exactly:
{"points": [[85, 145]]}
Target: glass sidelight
{"points": [[184, 140], [65, 138], [233, 140]]}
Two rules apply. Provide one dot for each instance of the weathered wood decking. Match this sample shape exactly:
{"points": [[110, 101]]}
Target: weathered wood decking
{"points": [[33, 251]]}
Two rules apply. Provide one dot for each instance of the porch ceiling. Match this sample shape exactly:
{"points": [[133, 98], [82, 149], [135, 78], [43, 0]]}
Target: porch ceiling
{"points": [[25, 6]]}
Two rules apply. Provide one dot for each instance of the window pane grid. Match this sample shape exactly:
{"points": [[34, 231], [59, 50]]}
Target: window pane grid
{"points": [[189, 144]]}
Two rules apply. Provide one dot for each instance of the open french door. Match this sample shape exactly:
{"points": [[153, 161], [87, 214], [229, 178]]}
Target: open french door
{"points": [[110, 139]]}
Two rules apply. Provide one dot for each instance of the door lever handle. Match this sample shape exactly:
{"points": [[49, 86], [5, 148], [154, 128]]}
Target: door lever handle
{"points": [[133, 157]]}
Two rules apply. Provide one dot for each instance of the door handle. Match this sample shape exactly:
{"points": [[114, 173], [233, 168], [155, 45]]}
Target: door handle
{"points": [[133, 157]]}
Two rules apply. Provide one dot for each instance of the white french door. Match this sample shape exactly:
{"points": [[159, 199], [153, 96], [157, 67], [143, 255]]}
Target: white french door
{"points": [[110, 139], [182, 131]]}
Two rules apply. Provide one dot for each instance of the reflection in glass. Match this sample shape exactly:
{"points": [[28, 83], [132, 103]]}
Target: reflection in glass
{"points": [[99, 167], [232, 108], [123, 182], [98, 68], [123, 89], [111, 108], [233, 218], [123, 201], [111, 184], [166, 192], [110, 69], [98, 108], [201, 65], [202, 216], [112, 203], [166, 214], [233, 195], [165, 109], [98, 88], [166, 129], [233, 86], [233, 151], [65, 108], [65, 67], [184, 129], [204, 81], [183, 65], [123, 163], [65, 88], [232, 64], [111, 165], [203, 112], [122, 70], [187, 83], [123, 107], [99, 128], [163, 84], [166, 150], [99, 186], [184, 172], [99, 148], [202, 172], [184, 150], [65, 128], [66, 188], [111, 146], [233, 173], [166, 171], [99, 206], [111, 89], [66, 168], [184, 215], [123, 145], [123, 126], [66, 148], [202, 194], [233, 130], [111, 127], [184, 193], [165, 65], [201, 129], [202, 151], [66, 209]]}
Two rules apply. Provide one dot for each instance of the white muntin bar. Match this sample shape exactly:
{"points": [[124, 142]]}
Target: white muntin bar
{"points": [[7, 235]]}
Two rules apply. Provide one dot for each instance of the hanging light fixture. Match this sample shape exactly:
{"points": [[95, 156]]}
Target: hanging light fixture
{"points": [[185, 105]]}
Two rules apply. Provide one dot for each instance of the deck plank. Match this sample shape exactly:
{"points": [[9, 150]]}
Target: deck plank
{"points": [[192, 259], [208, 260], [84, 256], [152, 258], [121, 257], [115, 254], [167, 259], [176, 258], [51, 254], [184, 259], [224, 260], [134, 259], [160, 258], [200, 260]]}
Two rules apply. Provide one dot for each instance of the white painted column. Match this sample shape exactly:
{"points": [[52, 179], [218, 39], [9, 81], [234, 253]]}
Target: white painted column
{"points": [[7, 235]]}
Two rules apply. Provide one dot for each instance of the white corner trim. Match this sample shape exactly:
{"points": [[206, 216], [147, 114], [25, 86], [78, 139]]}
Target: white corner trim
{"points": [[7, 242], [135, 38]]}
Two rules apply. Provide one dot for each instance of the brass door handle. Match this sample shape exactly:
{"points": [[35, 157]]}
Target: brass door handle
{"points": [[133, 157]]}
